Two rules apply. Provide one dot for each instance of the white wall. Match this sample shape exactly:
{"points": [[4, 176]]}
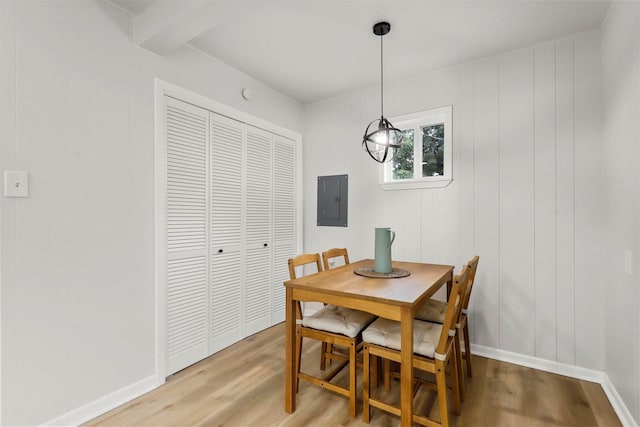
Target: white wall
{"points": [[621, 155], [526, 195], [77, 273]]}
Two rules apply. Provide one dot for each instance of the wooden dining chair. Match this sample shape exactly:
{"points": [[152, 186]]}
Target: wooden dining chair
{"points": [[433, 350], [433, 311], [331, 325], [327, 351], [328, 255]]}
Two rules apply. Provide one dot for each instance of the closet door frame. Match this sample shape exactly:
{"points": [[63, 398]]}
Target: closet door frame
{"points": [[163, 88]]}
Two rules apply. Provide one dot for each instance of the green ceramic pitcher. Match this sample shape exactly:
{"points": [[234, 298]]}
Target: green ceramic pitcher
{"points": [[384, 240]]}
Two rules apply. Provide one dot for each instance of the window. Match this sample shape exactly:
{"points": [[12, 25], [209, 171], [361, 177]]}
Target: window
{"points": [[424, 158]]}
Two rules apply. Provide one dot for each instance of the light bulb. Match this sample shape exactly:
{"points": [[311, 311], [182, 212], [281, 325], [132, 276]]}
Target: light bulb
{"points": [[381, 138]]}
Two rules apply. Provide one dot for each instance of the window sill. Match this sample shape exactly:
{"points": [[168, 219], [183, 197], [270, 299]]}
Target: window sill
{"points": [[412, 184]]}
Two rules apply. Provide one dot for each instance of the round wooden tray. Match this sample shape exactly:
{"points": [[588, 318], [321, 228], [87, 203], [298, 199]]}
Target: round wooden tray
{"points": [[370, 272]]}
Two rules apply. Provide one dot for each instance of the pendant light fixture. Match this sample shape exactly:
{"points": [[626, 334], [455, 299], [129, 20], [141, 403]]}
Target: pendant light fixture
{"points": [[381, 138]]}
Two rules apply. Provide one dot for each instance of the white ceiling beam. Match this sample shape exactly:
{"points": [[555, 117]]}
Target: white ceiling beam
{"points": [[165, 25]]}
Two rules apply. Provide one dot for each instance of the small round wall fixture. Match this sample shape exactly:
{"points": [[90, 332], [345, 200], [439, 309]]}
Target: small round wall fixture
{"points": [[247, 94], [381, 138]]}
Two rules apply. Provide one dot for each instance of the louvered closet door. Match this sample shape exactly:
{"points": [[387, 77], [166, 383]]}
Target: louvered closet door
{"points": [[226, 155], [257, 295], [284, 220], [187, 136]]}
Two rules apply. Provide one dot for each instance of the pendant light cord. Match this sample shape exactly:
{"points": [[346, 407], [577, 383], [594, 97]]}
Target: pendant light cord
{"points": [[381, 79]]}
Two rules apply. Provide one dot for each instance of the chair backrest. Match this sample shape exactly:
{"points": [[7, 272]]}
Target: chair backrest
{"points": [[302, 260], [473, 267], [454, 308], [334, 253]]}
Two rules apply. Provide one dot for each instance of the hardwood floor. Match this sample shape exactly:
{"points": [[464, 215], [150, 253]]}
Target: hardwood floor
{"points": [[243, 385]]}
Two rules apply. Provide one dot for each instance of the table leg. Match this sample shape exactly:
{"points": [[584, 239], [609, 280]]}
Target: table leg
{"points": [[290, 374], [406, 368]]}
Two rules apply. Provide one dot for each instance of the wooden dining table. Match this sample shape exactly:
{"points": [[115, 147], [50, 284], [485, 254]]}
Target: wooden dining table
{"points": [[391, 298]]}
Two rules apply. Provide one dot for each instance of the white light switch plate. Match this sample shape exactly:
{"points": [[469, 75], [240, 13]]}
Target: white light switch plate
{"points": [[16, 184]]}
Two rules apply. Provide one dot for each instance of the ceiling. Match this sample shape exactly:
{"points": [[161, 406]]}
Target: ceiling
{"points": [[316, 49]]}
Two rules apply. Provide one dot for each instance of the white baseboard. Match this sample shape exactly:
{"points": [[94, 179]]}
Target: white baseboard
{"points": [[106, 403], [618, 405], [562, 369], [538, 363]]}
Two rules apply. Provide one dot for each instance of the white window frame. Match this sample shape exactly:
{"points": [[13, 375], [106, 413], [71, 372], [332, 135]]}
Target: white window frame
{"points": [[417, 121]]}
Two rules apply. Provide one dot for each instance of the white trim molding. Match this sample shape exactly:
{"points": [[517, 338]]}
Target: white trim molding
{"points": [[571, 371], [106, 403], [616, 401]]}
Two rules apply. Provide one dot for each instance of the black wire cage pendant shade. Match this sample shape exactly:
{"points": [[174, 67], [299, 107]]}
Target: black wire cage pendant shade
{"points": [[381, 138]]}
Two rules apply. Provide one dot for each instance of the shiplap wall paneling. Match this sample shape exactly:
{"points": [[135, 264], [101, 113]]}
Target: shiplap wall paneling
{"points": [[466, 162], [258, 220], [516, 202], [447, 212], [620, 157], [426, 227], [284, 220], [466, 173], [426, 223], [545, 201], [565, 185], [385, 216], [227, 178], [486, 126], [411, 242], [187, 134], [589, 275], [406, 245], [367, 223]]}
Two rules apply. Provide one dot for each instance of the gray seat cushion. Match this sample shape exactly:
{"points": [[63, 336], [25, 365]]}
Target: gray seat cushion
{"points": [[387, 333], [339, 320]]}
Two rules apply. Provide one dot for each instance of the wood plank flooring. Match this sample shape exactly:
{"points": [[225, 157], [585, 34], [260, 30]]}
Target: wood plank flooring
{"points": [[243, 385]]}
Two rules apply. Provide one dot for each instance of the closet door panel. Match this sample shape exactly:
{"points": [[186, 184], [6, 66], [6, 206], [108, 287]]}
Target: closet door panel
{"points": [[284, 220], [226, 300], [226, 163], [258, 188], [227, 170], [257, 290], [186, 211], [187, 311], [258, 220]]}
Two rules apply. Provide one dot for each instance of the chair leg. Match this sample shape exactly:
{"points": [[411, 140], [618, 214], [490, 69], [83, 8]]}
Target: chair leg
{"points": [[323, 355], [298, 356], [374, 371], [366, 388], [467, 348], [387, 375], [441, 384], [330, 350], [455, 385], [457, 355], [353, 367]]}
